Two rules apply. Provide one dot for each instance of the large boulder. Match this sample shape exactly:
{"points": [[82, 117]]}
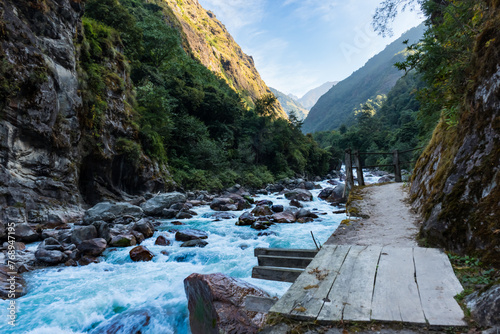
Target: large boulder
{"points": [[23, 232], [285, 217], [11, 288], [123, 240], [241, 202], [190, 234], [107, 211], [144, 226], [485, 308], [216, 305], [51, 257], [141, 253], [195, 243], [82, 233], [223, 204], [262, 210], [299, 195], [92, 247], [246, 219], [155, 205]]}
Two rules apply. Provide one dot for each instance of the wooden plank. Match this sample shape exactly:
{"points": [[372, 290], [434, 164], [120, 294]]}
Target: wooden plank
{"points": [[333, 306], [395, 296], [276, 273], [259, 304], [359, 300], [284, 261], [310, 253], [306, 296], [438, 285]]}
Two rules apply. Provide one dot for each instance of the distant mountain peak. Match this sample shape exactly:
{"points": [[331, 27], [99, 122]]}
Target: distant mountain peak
{"points": [[311, 97]]}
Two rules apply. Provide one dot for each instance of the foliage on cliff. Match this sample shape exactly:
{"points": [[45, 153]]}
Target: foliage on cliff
{"points": [[193, 119], [456, 180]]}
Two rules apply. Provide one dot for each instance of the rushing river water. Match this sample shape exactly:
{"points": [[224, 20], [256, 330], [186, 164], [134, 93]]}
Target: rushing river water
{"points": [[77, 299]]}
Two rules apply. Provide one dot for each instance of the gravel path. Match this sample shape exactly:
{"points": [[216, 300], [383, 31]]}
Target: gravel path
{"points": [[391, 222]]}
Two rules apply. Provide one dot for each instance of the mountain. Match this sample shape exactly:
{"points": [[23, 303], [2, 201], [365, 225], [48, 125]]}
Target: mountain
{"points": [[376, 77], [311, 97], [290, 105], [208, 40]]}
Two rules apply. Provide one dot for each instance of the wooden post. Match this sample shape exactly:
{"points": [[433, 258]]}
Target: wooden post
{"points": [[397, 166], [359, 169], [349, 179]]}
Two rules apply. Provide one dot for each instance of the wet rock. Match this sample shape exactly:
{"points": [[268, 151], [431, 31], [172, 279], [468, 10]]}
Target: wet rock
{"points": [[216, 305], [139, 237], [333, 194], [169, 213], [299, 194], [11, 289], [130, 322], [246, 219], [264, 202], [195, 243], [275, 188], [262, 192], [141, 253], [304, 220], [302, 213], [184, 215], [177, 223], [144, 226], [87, 259], [325, 193], [223, 204], [266, 233], [190, 234], [284, 218], [82, 233], [92, 247], [260, 225], [162, 241], [52, 257], [123, 240], [24, 232], [277, 208], [295, 203], [125, 220], [164, 252], [262, 210], [109, 211], [485, 308], [155, 205], [308, 185]]}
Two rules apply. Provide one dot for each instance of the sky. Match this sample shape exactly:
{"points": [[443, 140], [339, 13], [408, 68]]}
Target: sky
{"points": [[297, 45]]}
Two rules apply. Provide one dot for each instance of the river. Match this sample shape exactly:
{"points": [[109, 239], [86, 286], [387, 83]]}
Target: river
{"points": [[77, 299]]}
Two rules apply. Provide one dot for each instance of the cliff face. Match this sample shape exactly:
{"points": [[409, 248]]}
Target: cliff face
{"points": [[456, 185], [209, 41], [57, 149]]}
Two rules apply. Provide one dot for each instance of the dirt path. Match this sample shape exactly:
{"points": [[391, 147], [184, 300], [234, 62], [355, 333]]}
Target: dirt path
{"points": [[391, 221]]}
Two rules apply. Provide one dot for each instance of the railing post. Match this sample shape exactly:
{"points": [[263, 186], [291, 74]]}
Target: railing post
{"points": [[359, 170], [397, 166], [349, 179]]}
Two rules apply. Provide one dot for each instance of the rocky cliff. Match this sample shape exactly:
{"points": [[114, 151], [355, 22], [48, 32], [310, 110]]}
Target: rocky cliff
{"points": [[207, 39], [65, 138], [456, 185]]}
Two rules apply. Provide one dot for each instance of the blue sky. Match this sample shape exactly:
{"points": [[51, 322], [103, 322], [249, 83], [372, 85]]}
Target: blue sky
{"points": [[298, 45]]}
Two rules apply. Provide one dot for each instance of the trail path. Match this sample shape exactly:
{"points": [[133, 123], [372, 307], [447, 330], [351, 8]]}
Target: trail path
{"points": [[391, 222]]}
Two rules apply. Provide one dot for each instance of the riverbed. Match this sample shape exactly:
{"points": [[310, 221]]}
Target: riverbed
{"points": [[78, 299]]}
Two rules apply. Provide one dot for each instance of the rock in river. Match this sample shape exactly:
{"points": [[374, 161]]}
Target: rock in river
{"points": [[141, 253], [108, 211], [299, 194], [195, 243], [155, 206], [190, 234], [216, 305], [92, 247]]}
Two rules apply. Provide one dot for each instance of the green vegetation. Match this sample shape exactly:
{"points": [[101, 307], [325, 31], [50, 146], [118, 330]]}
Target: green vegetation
{"points": [[377, 77], [473, 274], [186, 115], [291, 106]]}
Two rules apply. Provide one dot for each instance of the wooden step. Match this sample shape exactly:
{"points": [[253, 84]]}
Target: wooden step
{"points": [[284, 261], [309, 253], [276, 273]]}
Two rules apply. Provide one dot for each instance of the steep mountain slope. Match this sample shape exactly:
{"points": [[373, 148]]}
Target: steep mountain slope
{"points": [[290, 105], [311, 97], [376, 77], [209, 41]]}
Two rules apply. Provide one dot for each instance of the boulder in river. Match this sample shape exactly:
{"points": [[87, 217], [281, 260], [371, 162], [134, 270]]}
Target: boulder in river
{"points": [[223, 204], [260, 225], [284, 217], [299, 194], [123, 240], [155, 205], [141, 253], [262, 210], [295, 203], [246, 219], [109, 211], [277, 208], [190, 234], [216, 305], [24, 232], [144, 226], [162, 241], [92, 247], [195, 243], [82, 233]]}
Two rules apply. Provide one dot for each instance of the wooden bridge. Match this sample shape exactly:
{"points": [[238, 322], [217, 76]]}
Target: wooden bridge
{"points": [[363, 283]]}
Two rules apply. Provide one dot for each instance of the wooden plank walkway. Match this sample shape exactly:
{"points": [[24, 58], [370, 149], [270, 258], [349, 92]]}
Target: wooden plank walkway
{"points": [[375, 283]]}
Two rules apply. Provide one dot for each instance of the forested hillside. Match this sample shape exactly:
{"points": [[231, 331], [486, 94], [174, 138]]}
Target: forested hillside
{"points": [[376, 77], [107, 103], [290, 105]]}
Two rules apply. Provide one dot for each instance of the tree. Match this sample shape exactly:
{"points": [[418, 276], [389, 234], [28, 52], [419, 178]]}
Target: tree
{"points": [[387, 12]]}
